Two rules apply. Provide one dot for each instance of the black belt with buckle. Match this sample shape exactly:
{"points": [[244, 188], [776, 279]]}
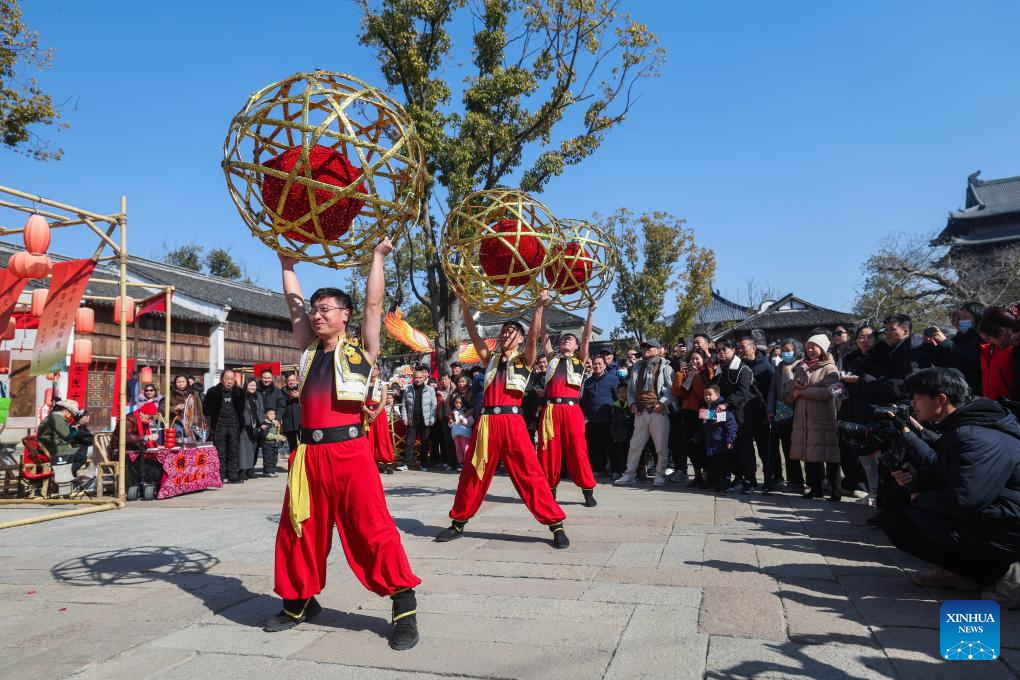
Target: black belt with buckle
{"points": [[330, 435], [500, 410], [569, 401]]}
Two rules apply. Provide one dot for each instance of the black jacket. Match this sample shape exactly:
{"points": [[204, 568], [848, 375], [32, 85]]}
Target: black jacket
{"points": [[735, 385], [214, 400], [763, 371], [973, 470], [870, 369], [290, 416], [963, 352], [597, 397], [272, 398], [904, 359]]}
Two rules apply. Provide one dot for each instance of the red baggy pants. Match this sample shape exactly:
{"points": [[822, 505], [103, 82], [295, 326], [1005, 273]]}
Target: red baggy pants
{"points": [[509, 442], [345, 490], [379, 439], [569, 441]]}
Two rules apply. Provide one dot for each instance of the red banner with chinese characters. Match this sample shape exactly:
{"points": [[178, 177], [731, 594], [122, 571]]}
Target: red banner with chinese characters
{"points": [[153, 303], [10, 288], [78, 383], [67, 285], [115, 413]]}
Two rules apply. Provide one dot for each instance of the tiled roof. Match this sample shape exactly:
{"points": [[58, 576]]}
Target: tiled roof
{"points": [[239, 296], [773, 317], [719, 310], [104, 271], [991, 215]]}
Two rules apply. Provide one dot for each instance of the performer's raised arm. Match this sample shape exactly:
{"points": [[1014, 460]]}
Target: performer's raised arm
{"points": [[375, 288], [481, 349], [299, 320], [586, 334], [537, 327]]}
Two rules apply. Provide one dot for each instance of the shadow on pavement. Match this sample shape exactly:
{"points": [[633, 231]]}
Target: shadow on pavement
{"points": [[189, 570]]}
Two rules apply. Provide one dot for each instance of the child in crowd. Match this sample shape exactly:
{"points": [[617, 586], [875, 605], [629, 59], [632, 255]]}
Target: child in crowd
{"points": [[621, 429], [718, 432], [461, 419], [272, 441]]}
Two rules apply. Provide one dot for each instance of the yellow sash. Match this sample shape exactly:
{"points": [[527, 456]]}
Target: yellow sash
{"points": [[300, 504], [480, 456], [547, 425]]}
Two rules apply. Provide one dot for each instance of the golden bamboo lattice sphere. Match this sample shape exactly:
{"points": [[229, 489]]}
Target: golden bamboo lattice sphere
{"points": [[585, 269], [322, 166], [495, 246]]}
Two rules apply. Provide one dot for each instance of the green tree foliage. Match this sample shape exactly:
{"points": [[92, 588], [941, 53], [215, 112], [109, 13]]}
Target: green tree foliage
{"points": [[219, 262], [908, 275], [539, 69], [23, 104], [187, 255], [658, 257]]}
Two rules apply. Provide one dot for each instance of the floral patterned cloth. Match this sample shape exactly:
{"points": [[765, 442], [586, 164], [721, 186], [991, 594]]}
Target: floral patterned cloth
{"points": [[188, 469]]}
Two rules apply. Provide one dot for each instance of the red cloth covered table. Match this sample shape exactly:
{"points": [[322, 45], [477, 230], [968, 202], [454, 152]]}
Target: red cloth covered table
{"points": [[188, 469]]}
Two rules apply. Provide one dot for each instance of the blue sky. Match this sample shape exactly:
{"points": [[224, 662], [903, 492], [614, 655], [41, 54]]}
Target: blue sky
{"points": [[793, 136]]}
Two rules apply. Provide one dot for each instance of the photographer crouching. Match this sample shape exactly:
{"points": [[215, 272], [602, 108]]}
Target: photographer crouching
{"points": [[963, 475]]}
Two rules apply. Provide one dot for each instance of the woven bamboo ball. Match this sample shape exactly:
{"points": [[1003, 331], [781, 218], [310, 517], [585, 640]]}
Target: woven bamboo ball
{"points": [[582, 265], [322, 166], [495, 246]]}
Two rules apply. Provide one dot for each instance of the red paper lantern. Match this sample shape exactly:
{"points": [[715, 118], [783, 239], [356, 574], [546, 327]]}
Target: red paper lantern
{"points": [[12, 328], [82, 353], [5, 361], [500, 259], [85, 321], [577, 262], [129, 308], [170, 438], [145, 375], [37, 235], [39, 301], [324, 165], [29, 266]]}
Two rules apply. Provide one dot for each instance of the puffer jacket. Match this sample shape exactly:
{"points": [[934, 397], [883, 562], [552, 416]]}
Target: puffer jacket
{"points": [[815, 436]]}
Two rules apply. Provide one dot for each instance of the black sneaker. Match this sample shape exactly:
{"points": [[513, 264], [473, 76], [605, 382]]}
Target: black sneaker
{"points": [[455, 530], [293, 613], [589, 498], [405, 621], [560, 539]]}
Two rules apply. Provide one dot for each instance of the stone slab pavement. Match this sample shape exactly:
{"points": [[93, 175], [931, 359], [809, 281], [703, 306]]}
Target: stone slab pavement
{"points": [[666, 583]]}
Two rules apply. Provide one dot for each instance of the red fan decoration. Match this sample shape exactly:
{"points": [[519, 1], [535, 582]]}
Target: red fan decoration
{"points": [[570, 274], [324, 165], [513, 254]]}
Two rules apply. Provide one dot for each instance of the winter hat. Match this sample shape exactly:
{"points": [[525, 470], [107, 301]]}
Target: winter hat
{"points": [[69, 405], [149, 409], [821, 340]]}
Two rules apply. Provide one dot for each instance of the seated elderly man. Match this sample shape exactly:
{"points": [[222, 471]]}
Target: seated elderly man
{"points": [[964, 511], [57, 436]]}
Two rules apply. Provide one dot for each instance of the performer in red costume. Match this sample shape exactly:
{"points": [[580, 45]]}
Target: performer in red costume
{"points": [[561, 423], [333, 477], [500, 433], [376, 424]]}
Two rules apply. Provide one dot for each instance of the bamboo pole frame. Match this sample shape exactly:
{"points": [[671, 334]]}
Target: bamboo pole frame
{"points": [[63, 215]]}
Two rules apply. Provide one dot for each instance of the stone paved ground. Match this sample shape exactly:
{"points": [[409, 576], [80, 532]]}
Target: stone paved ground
{"points": [[656, 584]]}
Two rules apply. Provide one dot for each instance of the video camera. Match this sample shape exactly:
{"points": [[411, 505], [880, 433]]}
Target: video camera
{"points": [[881, 434]]}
